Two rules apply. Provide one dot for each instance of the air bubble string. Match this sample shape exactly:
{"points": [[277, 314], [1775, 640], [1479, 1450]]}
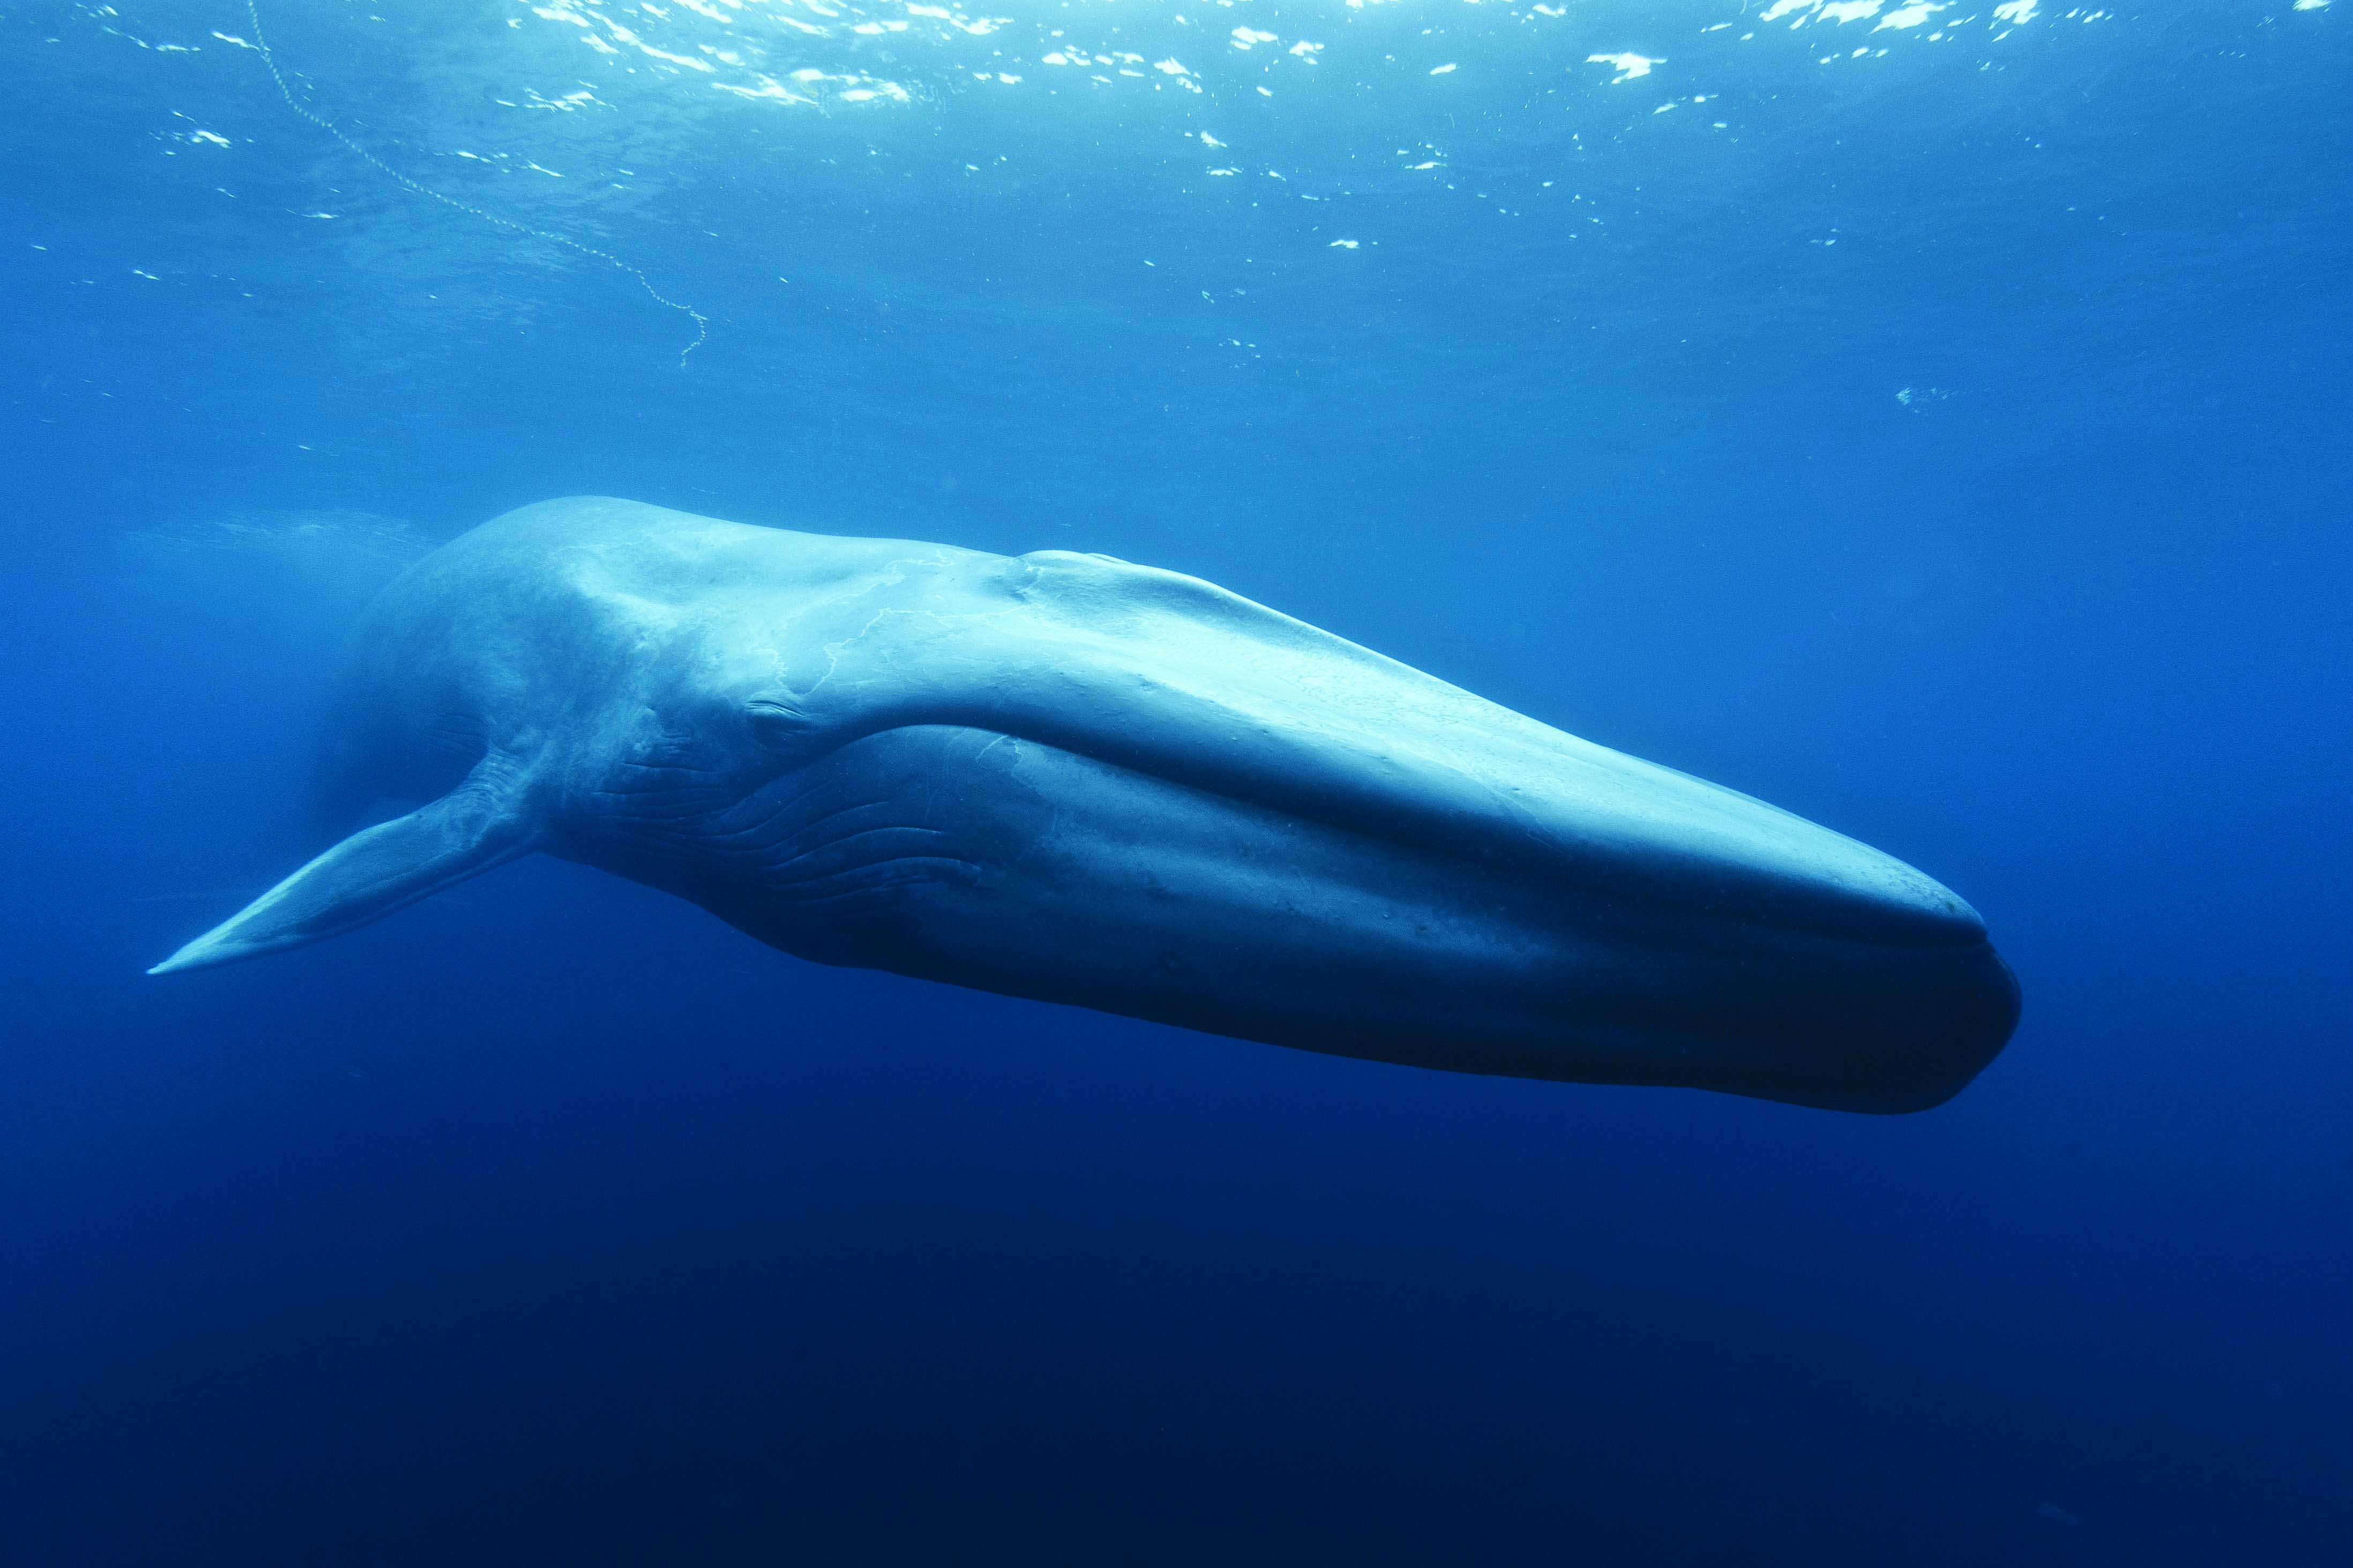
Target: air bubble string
{"points": [[701, 322]]}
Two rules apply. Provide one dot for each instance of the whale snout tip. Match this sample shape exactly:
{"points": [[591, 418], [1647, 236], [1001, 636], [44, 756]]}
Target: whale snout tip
{"points": [[1925, 910]]}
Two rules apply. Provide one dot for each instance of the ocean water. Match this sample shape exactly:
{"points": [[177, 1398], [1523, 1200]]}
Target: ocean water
{"points": [[1932, 418]]}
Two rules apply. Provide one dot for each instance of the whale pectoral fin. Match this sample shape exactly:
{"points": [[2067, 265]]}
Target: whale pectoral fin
{"points": [[481, 823]]}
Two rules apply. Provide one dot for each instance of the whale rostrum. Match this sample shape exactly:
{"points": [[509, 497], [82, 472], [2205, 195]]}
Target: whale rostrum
{"points": [[1065, 778]]}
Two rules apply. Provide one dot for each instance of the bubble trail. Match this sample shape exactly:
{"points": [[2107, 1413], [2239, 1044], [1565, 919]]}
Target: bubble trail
{"points": [[262, 43]]}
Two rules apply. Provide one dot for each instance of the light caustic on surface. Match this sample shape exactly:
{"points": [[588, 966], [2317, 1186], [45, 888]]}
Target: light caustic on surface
{"points": [[269, 59]]}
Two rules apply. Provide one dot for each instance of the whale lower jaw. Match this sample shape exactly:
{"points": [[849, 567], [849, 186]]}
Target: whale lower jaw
{"points": [[1007, 865]]}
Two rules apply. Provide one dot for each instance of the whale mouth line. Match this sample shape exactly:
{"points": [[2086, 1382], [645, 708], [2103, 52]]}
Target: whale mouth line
{"points": [[1642, 881]]}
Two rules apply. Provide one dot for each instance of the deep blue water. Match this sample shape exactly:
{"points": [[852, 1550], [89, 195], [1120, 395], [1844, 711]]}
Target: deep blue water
{"points": [[1946, 443]]}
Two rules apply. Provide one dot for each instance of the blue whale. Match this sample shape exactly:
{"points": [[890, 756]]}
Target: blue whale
{"points": [[1065, 778]]}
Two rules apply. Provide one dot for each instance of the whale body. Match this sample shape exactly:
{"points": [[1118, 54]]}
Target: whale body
{"points": [[1068, 778]]}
